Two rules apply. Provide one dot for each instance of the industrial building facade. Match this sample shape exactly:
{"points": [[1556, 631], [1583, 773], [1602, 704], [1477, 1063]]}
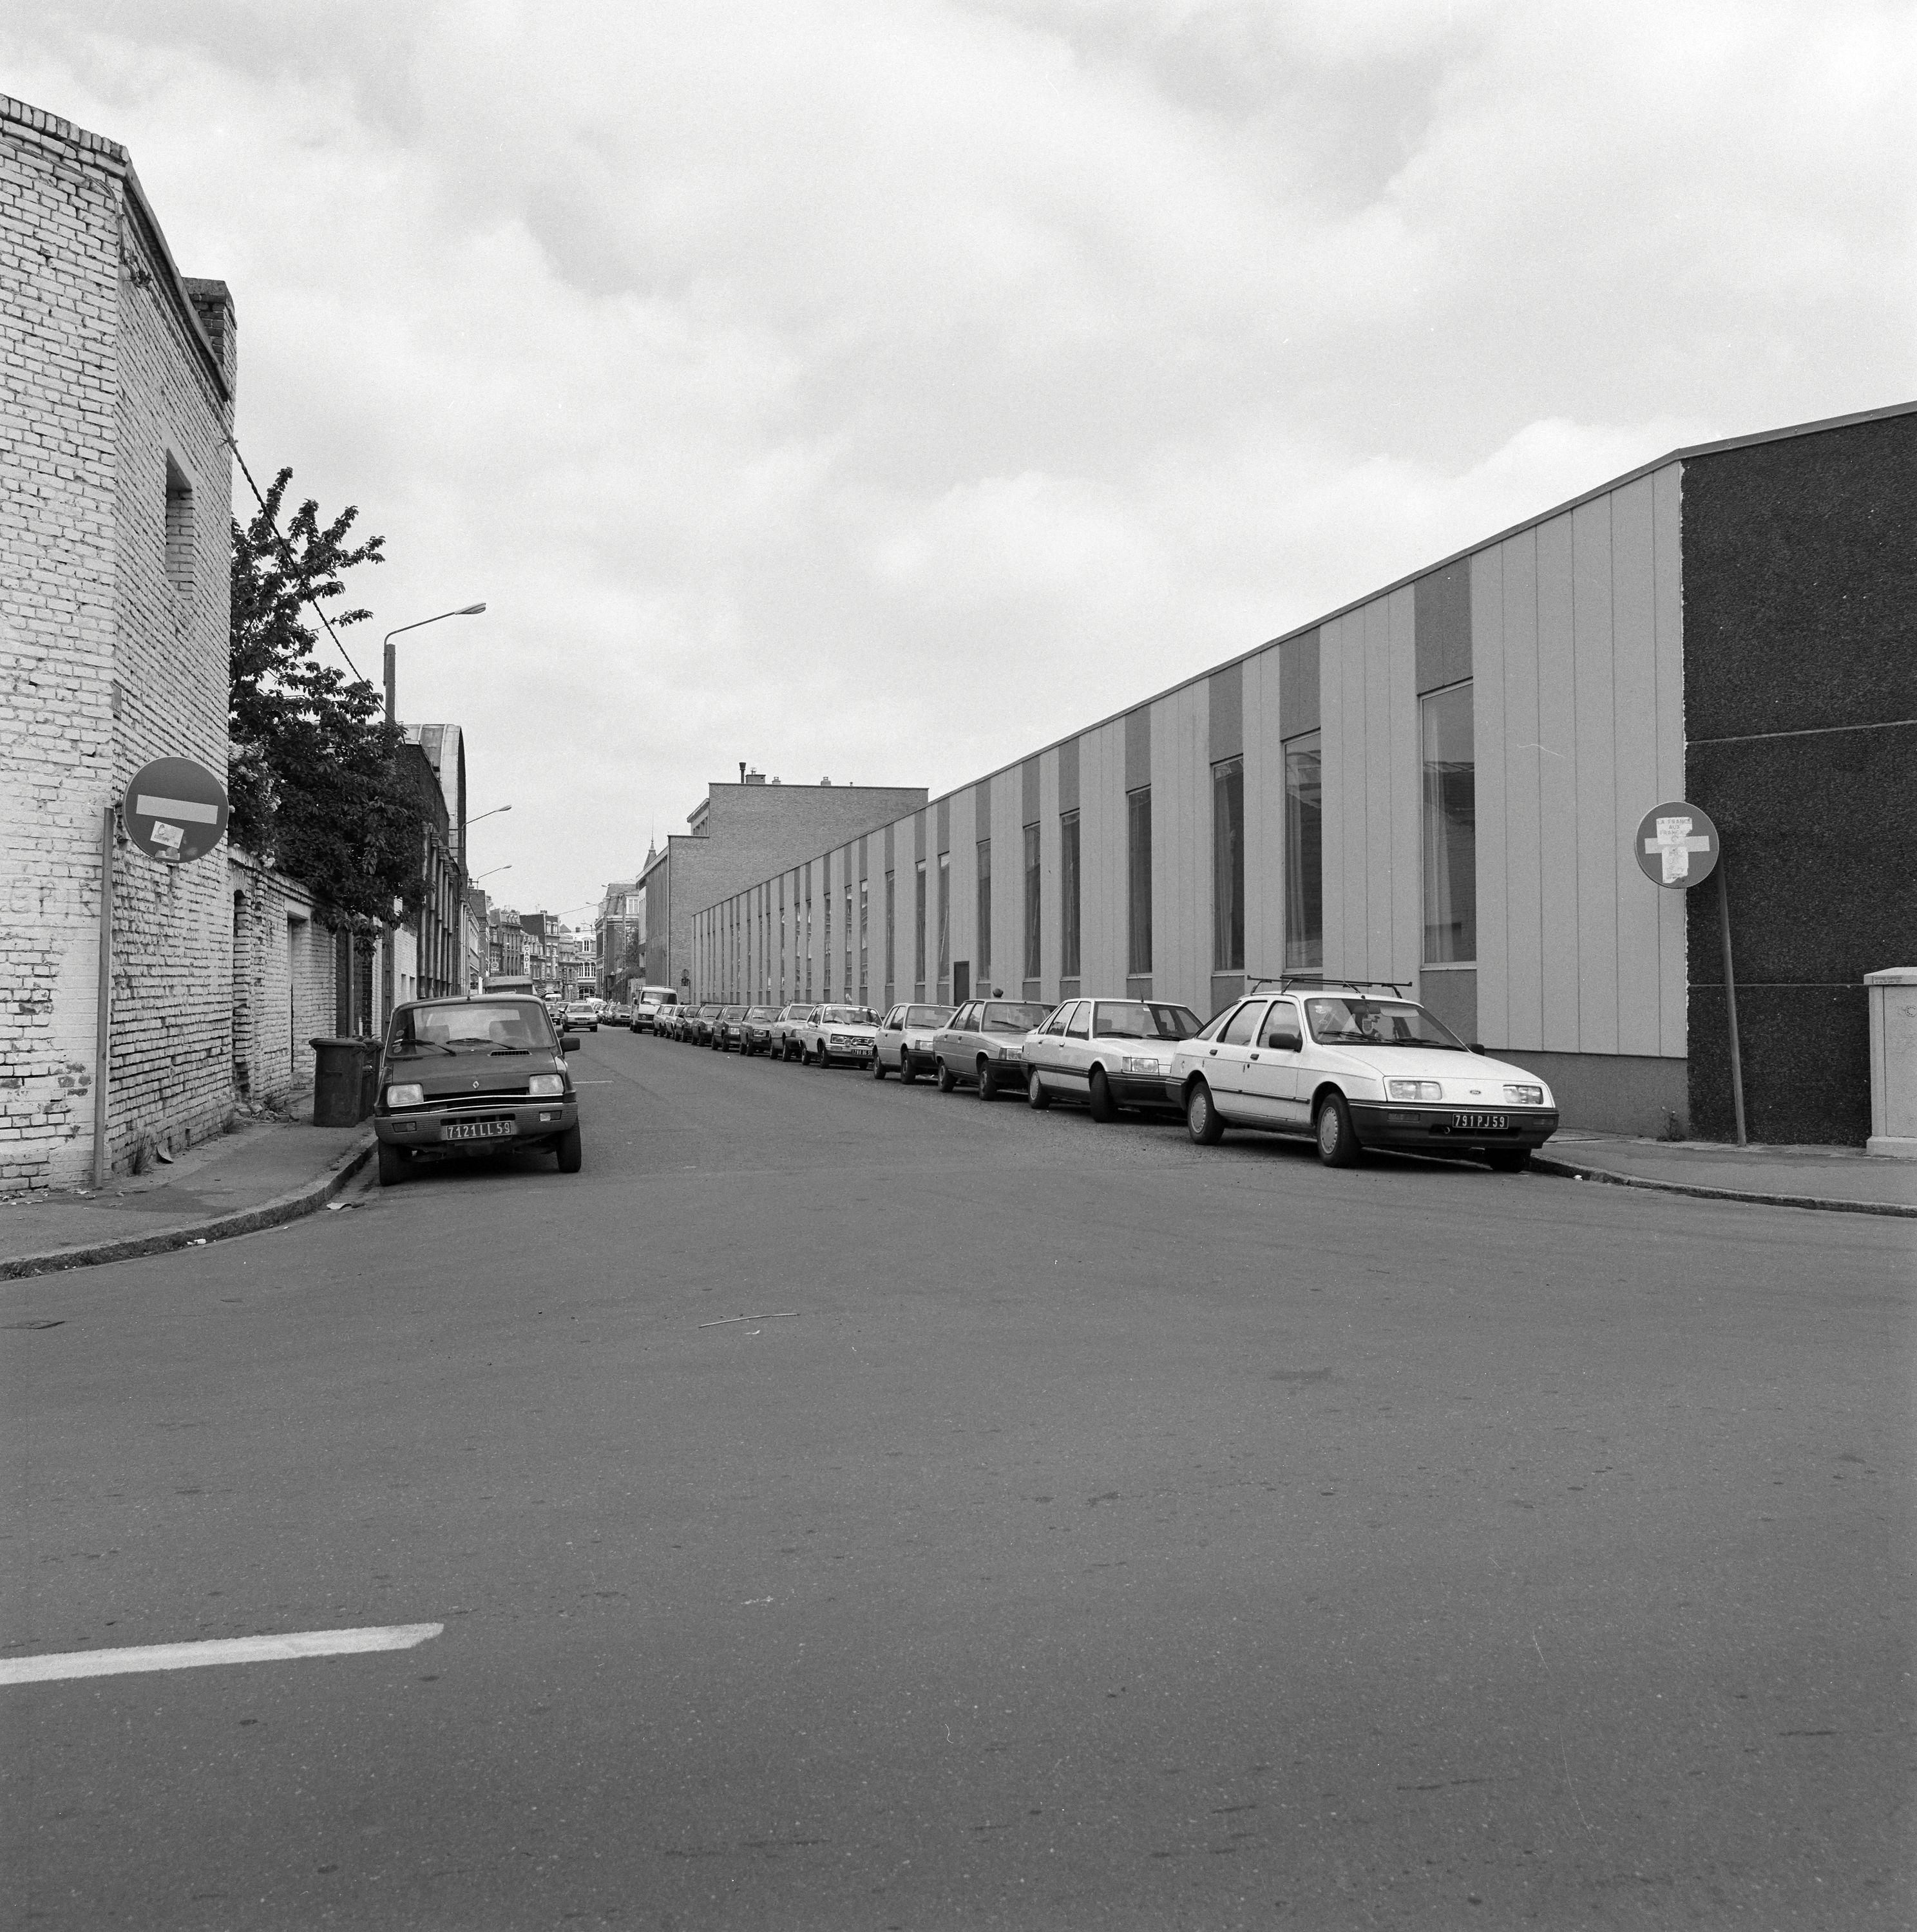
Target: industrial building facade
{"points": [[1439, 786]]}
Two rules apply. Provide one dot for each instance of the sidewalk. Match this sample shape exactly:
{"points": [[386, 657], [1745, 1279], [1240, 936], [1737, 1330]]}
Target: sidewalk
{"points": [[265, 1173], [1844, 1179]]}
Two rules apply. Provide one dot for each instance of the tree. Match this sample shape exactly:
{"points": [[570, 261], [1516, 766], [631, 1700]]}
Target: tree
{"points": [[312, 777]]}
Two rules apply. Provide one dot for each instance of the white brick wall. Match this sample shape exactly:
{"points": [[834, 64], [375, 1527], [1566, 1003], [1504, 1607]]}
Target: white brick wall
{"points": [[283, 982], [106, 658]]}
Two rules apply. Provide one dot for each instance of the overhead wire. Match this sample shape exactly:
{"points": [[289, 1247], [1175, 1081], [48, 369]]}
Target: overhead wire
{"points": [[293, 564]]}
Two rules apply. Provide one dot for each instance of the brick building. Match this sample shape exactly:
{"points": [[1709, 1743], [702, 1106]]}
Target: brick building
{"points": [[738, 835], [284, 993], [115, 489]]}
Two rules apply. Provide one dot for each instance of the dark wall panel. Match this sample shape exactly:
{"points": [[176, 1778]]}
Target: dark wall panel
{"points": [[1298, 686], [1800, 582], [1068, 776], [1227, 711], [1441, 626], [1029, 790], [1799, 589], [1138, 748], [944, 825]]}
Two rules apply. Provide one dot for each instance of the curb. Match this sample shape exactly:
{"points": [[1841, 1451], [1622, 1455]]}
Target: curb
{"points": [[1570, 1171], [283, 1207]]}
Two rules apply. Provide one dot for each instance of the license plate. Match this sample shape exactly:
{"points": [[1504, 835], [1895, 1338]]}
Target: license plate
{"points": [[478, 1130], [1481, 1122]]}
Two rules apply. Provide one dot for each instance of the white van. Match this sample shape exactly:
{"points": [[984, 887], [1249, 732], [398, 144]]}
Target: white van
{"points": [[648, 1003]]}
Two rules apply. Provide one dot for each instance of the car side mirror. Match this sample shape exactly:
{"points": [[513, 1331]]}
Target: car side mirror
{"points": [[1477, 1046], [1285, 1043], [569, 1043]]}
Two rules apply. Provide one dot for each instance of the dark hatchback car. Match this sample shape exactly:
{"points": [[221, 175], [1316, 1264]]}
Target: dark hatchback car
{"points": [[728, 1030], [756, 1029], [474, 1076], [698, 1028]]}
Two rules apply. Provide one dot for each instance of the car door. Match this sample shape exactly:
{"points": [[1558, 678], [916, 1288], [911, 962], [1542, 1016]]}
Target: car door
{"points": [[1225, 1058], [891, 1046], [948, 1043], [1075, 1051], [1044, 1051], [1271, 1078]]}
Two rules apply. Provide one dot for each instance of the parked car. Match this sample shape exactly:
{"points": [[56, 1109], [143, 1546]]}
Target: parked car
{"points": [[651, 1003], [757, 1031], [1354, 1067], [983, 1044], [843, 1033], [1108, 1053], [905, 1041], [784, 1030], [581, 1015], [472, 1076], [697, 1028], [728, 1030]]}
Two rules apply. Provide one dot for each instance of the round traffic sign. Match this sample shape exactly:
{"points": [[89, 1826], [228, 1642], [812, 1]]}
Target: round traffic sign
{"points": [[1676, 845], [175, 810]]}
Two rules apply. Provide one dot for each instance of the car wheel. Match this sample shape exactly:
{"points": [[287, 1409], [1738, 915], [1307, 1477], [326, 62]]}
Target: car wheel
{"points": [[908, 1073], [394, 1164], [1104, 1108], [1201, 1116], [571, 1151], [1507, 1160], [946, 1082], [878, 1066], [988, 1080], [1036, 1097], [1338, 1140]]}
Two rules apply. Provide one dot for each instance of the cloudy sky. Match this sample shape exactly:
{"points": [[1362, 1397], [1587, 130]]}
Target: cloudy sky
{"points": [[880, 389]]}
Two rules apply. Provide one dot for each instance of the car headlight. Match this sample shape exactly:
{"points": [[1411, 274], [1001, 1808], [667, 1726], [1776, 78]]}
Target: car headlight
{"points": [[1135, 1063], [545, 1087], [410, 1094], [1524, 1097], [1412, 1090], [1011, 1053]]}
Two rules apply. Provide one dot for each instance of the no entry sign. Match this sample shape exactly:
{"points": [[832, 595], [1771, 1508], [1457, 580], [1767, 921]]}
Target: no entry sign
{"points": [[175, 810], [1676, 845]]}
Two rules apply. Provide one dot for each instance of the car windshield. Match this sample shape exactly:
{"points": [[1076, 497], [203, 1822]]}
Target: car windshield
{"points": [[1143, 1019], [927, 1016], [844, 1016], [1009, 1018], [1349, 1020], [758, 1013], [478, 1026]]}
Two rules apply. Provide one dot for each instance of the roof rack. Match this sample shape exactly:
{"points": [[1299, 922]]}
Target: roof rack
{"points": [[1285, 982]]}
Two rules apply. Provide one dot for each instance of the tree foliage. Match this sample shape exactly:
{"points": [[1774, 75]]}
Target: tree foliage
{"points": [[312, 777]]}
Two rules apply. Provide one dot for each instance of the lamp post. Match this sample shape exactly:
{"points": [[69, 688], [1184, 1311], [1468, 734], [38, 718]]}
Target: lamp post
{"points": [[464, 611]]}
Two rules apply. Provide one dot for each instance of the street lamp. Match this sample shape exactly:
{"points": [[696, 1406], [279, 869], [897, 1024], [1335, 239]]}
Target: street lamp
{"points": [[488, 873], [494, 814], [464, 611]]}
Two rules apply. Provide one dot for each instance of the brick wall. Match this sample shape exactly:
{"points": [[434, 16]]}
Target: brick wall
{"points": [[115, 481], [284, 990]]}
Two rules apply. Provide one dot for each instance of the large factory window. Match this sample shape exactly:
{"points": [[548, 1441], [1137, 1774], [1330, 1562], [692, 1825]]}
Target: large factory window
{"points": [[1138, 834], [1068, 927], [1450, 829], [1304, 852], [1228, 866]]}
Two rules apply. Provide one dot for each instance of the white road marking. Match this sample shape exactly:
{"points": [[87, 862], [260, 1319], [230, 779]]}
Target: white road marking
{"points": [[218, 1650]]}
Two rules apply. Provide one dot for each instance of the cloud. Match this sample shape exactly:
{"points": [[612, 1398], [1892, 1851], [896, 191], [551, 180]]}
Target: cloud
{"points": [[883, 389]]}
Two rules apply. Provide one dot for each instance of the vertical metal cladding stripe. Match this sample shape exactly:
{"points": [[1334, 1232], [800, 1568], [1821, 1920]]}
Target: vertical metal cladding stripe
{"points": [[1442, 626], [1029, 800]]}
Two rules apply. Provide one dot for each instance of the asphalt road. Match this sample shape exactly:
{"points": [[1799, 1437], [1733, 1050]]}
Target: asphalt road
{"points": [[1115, 1534]]}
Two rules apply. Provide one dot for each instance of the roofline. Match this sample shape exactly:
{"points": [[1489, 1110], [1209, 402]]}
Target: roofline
{"points": [[1689, 453], [115, 160]]}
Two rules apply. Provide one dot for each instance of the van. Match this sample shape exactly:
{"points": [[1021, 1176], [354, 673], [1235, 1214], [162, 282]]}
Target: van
{"points": [[647, 1005]]}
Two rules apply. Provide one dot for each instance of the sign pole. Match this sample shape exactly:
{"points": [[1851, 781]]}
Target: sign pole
{"points": [[1730, 1003], [104, 1009]]}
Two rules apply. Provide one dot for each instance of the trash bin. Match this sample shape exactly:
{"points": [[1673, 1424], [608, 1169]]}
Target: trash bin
{"points": [[345, 1077]]}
